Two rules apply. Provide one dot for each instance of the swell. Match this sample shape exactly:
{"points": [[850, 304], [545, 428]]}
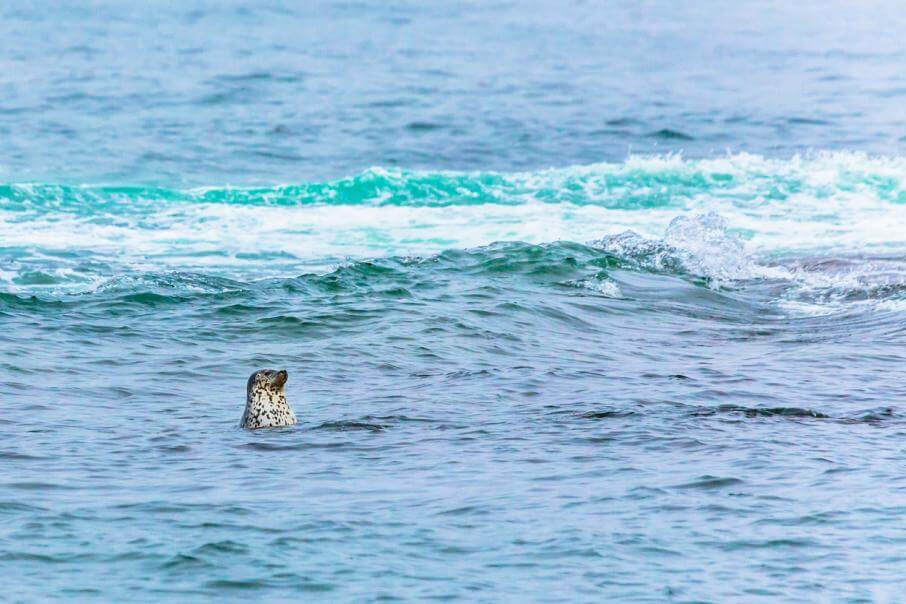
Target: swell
{"points": [[699, 265], [550, 263], [560, 263]]}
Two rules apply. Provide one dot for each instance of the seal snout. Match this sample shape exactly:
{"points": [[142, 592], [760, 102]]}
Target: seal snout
{"points": [[280, 378]]}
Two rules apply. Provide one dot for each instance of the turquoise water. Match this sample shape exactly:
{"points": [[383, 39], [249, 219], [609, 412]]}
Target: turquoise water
{"points": [[578, 302]]}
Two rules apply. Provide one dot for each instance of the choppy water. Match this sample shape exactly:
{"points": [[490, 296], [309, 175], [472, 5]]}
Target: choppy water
{"points": [[620, 313]]}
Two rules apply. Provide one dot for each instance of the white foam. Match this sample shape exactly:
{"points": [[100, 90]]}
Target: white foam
{"points": [[755, 209], [608, 289], [200, 235]]}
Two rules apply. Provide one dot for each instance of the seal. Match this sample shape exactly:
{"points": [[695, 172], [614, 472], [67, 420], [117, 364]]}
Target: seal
{"points": [[265, 402]]}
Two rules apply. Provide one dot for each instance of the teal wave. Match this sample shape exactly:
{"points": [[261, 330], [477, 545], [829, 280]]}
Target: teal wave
{"points": [[638, 183], [595, 268]]}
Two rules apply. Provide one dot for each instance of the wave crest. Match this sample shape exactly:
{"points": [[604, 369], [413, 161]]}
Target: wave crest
{"points": [[700, 245], [639, 182]]}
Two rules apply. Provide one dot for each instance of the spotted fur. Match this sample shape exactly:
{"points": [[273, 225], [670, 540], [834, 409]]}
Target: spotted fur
{"points": [[265, 402]]}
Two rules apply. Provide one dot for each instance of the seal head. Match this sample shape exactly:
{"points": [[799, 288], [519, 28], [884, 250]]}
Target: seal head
{"points": [[265, 402]]}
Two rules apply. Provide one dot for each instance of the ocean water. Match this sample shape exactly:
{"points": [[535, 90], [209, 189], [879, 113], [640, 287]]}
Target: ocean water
{"points": [[579, 301]]}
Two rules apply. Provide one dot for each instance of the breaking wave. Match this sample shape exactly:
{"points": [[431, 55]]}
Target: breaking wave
{"points": [[813, 234]]}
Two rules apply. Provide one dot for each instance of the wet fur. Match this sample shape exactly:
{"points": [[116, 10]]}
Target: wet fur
{"points": [[265, 401]]}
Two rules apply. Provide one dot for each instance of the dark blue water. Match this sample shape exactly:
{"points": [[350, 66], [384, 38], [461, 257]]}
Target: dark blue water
{"points": [[579, 301]]}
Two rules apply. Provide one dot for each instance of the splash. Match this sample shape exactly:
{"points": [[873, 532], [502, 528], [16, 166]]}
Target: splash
{"points": [[700, 245]]}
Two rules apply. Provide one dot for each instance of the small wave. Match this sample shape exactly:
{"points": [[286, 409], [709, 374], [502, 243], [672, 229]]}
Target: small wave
{"points": [[13, 455], [185, 562], [869, 416], [17, 556], [221, 547], [266, 446], [763, 411], [710, 482], [807, 121], [874, 416], [169, 282], [606, 414], [602, 286], [236, 584], [15, 507], [825, 285], [37, 486], [735, 545], [345, 426], [669, 134]]}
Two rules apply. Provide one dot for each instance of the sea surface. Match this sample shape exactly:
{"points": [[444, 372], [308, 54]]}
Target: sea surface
{"points": [[580, 301]]}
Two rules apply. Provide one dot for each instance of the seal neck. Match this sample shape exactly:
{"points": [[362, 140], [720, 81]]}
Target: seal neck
{"points": [[265, 397]]}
